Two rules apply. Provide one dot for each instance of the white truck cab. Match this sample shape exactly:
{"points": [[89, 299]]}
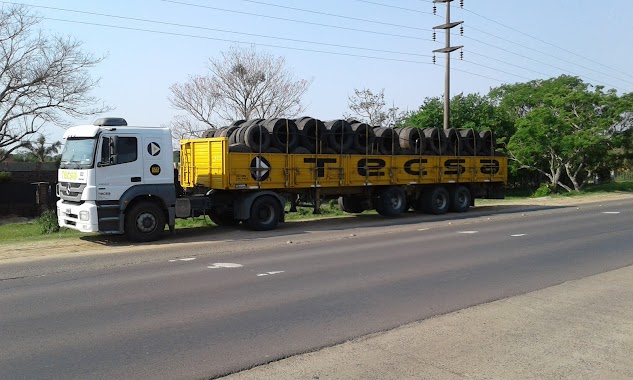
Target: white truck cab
{"points": [[115, 179]]}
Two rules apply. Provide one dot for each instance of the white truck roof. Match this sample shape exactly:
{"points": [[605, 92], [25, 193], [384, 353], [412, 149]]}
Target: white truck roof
{"points": [[93, 130]]}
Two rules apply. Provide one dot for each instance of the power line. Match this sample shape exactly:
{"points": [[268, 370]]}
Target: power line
{"points": [[295, 21], [508, 63], [549, 55], [393, 6], [545, 42], [541, 62], [228, 31], [234, 41], [331, 14]]}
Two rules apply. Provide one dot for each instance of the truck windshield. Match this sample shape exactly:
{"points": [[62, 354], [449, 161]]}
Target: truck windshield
{"points": [[78, 153]]}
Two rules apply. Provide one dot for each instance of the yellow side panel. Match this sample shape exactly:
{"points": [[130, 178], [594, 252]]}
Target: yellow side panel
{"points": [[208, 163]]}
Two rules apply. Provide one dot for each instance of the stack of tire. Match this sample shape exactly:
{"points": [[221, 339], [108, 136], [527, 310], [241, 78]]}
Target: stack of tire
{"points": [[308, 135]]}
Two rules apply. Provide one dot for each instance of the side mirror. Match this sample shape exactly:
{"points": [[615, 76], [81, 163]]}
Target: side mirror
{"points": [[114, 143]]}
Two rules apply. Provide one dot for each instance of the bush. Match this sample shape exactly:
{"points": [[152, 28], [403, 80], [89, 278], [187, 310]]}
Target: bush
{"points": [[5, 177], [48, 223], [542, 191]]}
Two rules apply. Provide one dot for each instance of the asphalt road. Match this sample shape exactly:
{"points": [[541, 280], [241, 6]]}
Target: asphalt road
{"points": [[207, 309]]}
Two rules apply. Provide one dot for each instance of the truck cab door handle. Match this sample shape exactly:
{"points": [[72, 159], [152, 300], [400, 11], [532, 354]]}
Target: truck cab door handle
{"points": [[136, 179]]}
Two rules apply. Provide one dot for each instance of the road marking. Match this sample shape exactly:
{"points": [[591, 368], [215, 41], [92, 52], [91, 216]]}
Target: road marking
{"points": [[468, 232], [270, 273], [224, 265], [611, 212], [423, 229], [518, 235], [185, 259]]}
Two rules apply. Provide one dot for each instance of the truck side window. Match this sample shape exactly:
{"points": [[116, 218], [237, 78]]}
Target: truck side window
{"points": [[127, 150], [105, 150]]}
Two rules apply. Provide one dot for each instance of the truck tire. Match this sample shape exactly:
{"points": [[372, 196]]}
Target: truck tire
{"points": [[460, 199], [265, 213], [351, 204], [391, 202], [145, 221], [436, 200]]}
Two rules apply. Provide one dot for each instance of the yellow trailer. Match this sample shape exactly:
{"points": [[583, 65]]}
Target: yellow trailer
{"points": [[389, 184]]}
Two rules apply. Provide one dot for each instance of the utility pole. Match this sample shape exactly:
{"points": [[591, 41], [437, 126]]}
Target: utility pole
{"points": [[447, 51]]}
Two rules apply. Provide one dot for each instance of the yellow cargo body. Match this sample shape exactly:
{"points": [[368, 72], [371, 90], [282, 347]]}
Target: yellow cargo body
{"points": [[207, 163]]}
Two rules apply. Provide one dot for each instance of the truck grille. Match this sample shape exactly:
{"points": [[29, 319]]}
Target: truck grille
{"points": [[70, 191]]}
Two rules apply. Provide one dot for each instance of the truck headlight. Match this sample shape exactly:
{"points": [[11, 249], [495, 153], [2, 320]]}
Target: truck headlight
{"points": [[84, 216]]}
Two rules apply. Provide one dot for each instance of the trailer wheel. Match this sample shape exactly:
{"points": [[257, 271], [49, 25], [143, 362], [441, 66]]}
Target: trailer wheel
{"points": [[436, 200], [144, 222], [265, 213], [460, 199], [351, 204], [391, 202], [224, 219]]}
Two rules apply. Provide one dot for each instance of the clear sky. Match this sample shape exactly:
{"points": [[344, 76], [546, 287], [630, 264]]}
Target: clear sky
{"points": [[540, 39]]}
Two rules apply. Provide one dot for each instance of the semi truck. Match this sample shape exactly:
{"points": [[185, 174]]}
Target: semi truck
{"points": [[120, 179]]}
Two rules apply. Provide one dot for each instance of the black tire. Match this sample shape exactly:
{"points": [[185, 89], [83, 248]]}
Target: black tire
{"points": [[460, 199], [412, 139], [351, 204], [224, 219], [144, 222], [386, 141], [435, 140], [453, 142], [265, 213], [488, 143], [391, 202], [209, 133], [300, 150], [436, 200], [239, 148], [257, 138]]}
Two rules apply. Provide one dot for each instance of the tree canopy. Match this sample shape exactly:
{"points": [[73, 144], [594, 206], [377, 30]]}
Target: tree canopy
{"points": [[43, 79]]}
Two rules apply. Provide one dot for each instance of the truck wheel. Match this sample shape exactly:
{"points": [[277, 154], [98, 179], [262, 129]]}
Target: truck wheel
{"points": [[351, 204], [224, 219], [145, 221], [391, 201], [460, 199], [436, 200], [265, 213]]}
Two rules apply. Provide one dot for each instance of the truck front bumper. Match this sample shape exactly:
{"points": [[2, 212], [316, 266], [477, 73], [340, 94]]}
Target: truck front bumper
{"points": [[81, 217]]}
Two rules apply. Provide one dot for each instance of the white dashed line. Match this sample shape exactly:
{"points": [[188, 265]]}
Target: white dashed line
{"points": [[518, 235], [611, 212], [185, 259], [224, 265], [468, 232], [423, 229], [270, 273]]}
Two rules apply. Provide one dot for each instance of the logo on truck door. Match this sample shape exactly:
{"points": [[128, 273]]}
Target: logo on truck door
{"points": [[153, 149], [260, 168]]}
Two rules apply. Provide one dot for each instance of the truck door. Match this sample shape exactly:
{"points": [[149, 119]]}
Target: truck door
{"points": [[119, 165]]}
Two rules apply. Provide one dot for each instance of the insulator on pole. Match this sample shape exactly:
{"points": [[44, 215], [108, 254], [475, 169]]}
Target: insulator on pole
{"points": [[461, 3], [434, 10], [461, 54], [434, 59], [461, 29], [434, 35]]}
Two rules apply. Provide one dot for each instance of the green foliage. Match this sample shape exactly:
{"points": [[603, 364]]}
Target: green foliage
{"points": [[5, 177], [563, 127], [543, 191], [47, 223]]}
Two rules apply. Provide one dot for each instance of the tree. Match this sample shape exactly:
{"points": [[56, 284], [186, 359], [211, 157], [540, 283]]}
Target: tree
{"points": [[371, 108], [241, 84], [43, 79], [564, 126], [40, 151], [474, 111]]}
